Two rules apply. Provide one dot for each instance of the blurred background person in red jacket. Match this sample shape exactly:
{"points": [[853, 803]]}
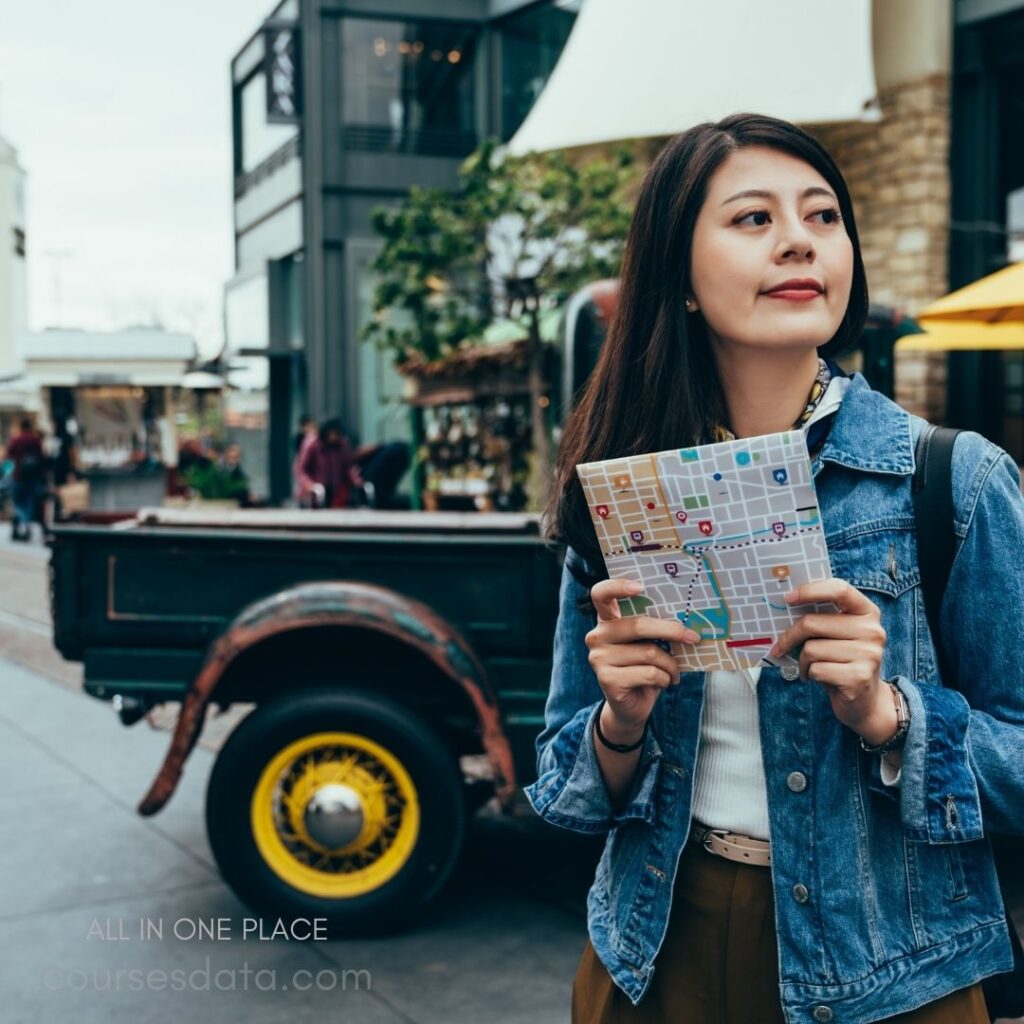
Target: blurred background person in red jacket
{"points": [[26, 452], [328, 469]]}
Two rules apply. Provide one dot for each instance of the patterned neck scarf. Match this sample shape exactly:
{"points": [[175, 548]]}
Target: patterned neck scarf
{"points": [[821, 381]]}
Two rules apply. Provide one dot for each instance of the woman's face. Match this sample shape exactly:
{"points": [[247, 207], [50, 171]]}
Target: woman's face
{"points": [[745, 246]]}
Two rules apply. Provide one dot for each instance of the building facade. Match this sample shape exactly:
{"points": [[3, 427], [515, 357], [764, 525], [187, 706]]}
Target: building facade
{"points": [[12, 255], [17, 397], [938, 185], [370, 98], [340, 107]]}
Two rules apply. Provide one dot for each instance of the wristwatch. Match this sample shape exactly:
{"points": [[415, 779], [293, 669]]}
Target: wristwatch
{"points": [[896, 741]]}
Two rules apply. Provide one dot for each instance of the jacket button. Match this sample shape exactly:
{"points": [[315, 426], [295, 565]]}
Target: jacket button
{"points": [[823, 1014], [790, 672], [801, 895], [796, 781]]}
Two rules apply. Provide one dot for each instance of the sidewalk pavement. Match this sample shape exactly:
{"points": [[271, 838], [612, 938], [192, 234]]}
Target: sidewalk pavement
{"points": [[80, 870]]}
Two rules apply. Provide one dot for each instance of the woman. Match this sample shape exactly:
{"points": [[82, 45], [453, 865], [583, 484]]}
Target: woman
{"points": [[847, 875]]}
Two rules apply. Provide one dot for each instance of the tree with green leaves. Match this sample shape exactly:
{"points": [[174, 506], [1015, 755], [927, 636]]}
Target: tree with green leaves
{"points": [[516, 237]]}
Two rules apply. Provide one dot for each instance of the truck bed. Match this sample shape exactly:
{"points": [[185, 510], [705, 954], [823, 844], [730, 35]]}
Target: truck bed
{"points": [[139, 601]]}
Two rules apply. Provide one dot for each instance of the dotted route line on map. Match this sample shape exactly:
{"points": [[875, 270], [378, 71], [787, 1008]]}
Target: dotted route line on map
{"points": [[762, 540], [693, 583], [710, 546]]}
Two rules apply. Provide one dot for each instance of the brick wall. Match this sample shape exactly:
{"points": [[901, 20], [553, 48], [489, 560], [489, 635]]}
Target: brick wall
{"points": [[898, 173]]}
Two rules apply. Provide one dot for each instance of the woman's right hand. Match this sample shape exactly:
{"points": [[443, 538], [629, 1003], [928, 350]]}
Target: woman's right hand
{"points": [[631, 668]]}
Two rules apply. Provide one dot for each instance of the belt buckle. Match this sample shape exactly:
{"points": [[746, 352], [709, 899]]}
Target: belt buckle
{"points": [[706, 839]]}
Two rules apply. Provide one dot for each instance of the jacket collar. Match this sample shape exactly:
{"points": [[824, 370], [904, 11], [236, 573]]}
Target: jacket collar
{"points": [[870, 432]]}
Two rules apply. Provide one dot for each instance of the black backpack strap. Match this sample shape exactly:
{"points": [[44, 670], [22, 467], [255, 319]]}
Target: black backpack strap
{"points": [[932, 491]]}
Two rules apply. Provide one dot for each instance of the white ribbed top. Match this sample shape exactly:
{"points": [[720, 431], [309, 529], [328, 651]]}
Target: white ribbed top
{"points": [[729, 785]]}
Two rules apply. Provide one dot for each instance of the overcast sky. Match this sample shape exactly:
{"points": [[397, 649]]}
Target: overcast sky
{"points": [[121, 114]]}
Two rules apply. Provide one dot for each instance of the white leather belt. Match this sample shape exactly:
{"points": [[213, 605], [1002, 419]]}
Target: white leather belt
{"points": [[732, 845]]}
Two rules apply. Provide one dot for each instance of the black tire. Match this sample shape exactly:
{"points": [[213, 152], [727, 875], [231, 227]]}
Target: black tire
{"points": [[439, 791]]}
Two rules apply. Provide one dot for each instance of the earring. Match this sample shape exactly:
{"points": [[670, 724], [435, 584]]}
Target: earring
{"points": [[689, 305]]}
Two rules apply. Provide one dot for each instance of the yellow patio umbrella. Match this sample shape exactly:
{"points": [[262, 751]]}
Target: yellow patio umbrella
{"points": [[995, 299], [950, 336]]}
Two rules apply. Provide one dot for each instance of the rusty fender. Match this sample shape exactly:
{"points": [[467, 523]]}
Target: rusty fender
{"points": [[341, 604]]}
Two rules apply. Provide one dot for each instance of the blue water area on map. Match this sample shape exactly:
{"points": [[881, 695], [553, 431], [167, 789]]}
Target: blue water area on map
{"points": [[711, 623]]}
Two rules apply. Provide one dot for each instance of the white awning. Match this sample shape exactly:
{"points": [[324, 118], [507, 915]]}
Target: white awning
{"points": [[134, 356], [656, 67], [18, 394]]}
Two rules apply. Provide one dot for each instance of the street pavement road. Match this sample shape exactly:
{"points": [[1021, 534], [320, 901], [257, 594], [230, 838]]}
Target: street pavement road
{"points": [[79, 870]]}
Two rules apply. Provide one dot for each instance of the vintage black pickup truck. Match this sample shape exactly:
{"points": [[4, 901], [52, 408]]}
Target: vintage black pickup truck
{"points": [[383, 651], [398, 662]]}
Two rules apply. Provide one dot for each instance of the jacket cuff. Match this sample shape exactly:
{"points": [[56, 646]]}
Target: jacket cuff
{"points": [[938, 794], [580, 800]]}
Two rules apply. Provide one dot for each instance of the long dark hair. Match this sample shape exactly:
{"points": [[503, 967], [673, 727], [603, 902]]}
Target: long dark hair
{"points": [[655, 385]]}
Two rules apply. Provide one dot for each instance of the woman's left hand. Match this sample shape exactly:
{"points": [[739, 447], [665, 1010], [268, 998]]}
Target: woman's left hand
{"points": [[843, 651]]}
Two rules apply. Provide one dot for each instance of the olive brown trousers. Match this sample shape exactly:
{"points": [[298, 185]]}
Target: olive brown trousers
{"points": [[719, 961]]}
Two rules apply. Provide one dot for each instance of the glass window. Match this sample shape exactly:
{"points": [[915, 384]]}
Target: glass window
{"points": [[408, 86], [259, 139], [247, 312], [531, 43], [383, 416]]}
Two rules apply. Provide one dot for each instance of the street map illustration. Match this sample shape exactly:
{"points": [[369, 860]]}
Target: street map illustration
{"points": [[716, 534]]}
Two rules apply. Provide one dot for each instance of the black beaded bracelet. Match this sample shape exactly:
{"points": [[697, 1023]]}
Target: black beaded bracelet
{"points": [[622, 748]]}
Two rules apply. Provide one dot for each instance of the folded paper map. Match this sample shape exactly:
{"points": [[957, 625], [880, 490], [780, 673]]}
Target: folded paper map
{"points": [[716, 534]]}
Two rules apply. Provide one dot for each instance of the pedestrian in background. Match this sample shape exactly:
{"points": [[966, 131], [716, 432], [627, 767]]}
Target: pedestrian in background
{"points": [[231, 465], [26, 452], [382, 466], [306, 436], [328, 464], [307, 432]]}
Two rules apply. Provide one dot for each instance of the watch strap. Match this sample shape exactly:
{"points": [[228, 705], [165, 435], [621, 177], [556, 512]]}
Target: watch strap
{"points": [[896, 741]]}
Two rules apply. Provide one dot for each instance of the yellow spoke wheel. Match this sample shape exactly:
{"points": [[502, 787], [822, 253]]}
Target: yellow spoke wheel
{"points": [[335, 814], [339, 803]]}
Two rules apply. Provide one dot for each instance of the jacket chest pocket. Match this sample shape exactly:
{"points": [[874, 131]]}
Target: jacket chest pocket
{"points": [[882, 563]]}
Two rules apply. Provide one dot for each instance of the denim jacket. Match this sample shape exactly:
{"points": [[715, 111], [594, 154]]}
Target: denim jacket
{"points": [[902, 904]]}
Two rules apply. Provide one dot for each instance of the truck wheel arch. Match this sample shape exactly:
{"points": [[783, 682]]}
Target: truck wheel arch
{"points": [[338, 605]]}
